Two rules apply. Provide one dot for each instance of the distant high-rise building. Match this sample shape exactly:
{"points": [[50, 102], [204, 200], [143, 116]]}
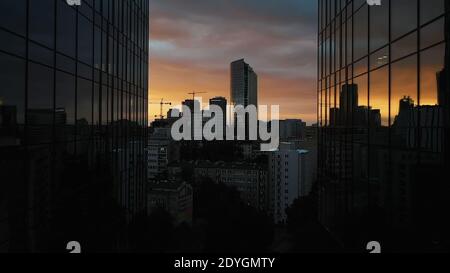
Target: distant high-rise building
{"points": [[349, 97], [244, 84], [244, 88], [292, 129], [194, 107], [221, 102], [351, 114], [348, 103]]}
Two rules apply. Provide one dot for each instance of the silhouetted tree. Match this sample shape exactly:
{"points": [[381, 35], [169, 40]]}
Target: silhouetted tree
{"points": [[301, 213], [308, 234], [231, 226], [151, 234]]}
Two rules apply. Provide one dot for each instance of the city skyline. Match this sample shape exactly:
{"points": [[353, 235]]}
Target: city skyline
{"points": [[188, 55], [192, 44], [218, 126]]}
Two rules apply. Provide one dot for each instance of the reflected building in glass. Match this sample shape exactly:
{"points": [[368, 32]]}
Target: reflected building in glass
{"points": [[383, 99], [73, 119]]}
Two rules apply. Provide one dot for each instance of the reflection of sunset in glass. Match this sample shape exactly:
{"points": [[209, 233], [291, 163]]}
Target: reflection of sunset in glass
{"points": [[404, 84]]}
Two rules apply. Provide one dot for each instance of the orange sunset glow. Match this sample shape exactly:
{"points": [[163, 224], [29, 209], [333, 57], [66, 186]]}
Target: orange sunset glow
{"points": [[192, 46]]}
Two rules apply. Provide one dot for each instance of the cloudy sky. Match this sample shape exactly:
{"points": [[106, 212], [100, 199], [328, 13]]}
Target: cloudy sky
{"points": [[192, 43]]}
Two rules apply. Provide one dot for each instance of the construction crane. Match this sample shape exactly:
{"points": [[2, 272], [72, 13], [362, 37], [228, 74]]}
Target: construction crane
{"points": [[195, 93], [161, 104]]}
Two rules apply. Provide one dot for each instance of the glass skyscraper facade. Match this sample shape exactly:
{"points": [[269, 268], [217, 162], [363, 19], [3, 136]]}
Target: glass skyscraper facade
{"points": [[243, 90], [243, 84], [383, 99], [73, 119]]}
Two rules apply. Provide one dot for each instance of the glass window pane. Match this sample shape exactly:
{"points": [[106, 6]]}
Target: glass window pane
{"points": [[65, 95], [42, 21], [84, 101], [12, 87], [40, 54], [40, 110], [379, 25], [65, 107], [66, 29], [84, 109], [432, 64], [379, 97], [85, 47], [404, 17], [12, 13], [432, 96], [432, 33], [15, 44], [430, 9], [360, 113], [379, 58], [404, 100], [404, 46], [40, 83]]}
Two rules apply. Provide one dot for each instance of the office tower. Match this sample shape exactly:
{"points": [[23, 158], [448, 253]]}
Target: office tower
{"points": [[290, 178], [192, 105], [77, 79], [244, 84], [349, 97], [244, 88], [374, 163], [292, 129], [348, 103], [196, 114], [334, 117], [221, 102]]}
